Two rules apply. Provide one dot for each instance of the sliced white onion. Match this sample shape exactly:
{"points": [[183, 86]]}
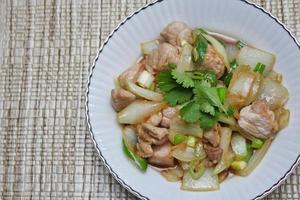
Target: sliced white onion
{"points": [[251, 56], [238, 145], [172, 175], [207, 182], [275, 93], [145, 79], [185, 63], [224, 38], [185, 155], [147, 47], [243, 87], [224, 145], [282, 117], [179, 126], [219, 48], [138, 111], [232, 51], [130, 137], [275, 76], [145, 93], [256, 158]]}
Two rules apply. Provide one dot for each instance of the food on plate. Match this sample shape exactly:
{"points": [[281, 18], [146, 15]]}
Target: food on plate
{"points": [[199, 106]]}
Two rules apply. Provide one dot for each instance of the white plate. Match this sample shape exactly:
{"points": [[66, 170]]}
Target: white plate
{"points": [[237, 18]]}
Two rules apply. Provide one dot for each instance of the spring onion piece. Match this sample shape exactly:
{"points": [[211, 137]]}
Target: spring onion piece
{"points": [[260, 68], [191, 141], [251, 56], [145, 93], [222, 93], [199, 151], [147, 47], [256, 158], [138, 111], [239, 147], [225, 145], [140, 162], [200, 43], [240, 44], [207, 182], [196, 169], [179, 138], [238, 165], [145, 79], [219, 48], [257, 143], [249, 153]]}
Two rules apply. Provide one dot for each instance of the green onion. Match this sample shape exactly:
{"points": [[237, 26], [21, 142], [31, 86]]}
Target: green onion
{"points": [[238, 165], [228, 75], [191, 141], [240, 44], [222, 94], [179, 138], [256, 143], [140, 162], [249, 152], [260, 68], [200, 48], [196, 169]]}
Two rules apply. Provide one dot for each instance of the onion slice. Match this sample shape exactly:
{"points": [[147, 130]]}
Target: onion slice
{"points": [[179, 126], [138, 111], [149, 46], [224, 38], [145, 93]]}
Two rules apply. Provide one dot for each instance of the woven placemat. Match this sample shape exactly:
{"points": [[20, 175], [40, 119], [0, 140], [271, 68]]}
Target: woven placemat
{"points": [[45, 53]]}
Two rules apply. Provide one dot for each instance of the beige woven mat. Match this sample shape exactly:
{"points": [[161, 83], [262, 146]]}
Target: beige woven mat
{"points": [[45, 52]]}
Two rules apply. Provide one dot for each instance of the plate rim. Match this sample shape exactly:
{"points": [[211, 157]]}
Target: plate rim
{"points": [[90, 74]]}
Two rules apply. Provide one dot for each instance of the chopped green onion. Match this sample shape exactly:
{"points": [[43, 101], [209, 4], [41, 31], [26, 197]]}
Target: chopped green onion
{"points": [[172, 65], [260, 68], [240, 44], [256, 143], [140, 162], [238, 165], [200, 48], [179, 138], [222, 94], [191, 141], [228, 75], [249, 152], [196, 169]]}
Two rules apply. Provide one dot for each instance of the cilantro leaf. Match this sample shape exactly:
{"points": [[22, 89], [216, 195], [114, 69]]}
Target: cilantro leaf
{"points": [[165, 81], [190, 112], [178, 95], [206, 76], [207, 108], [210, 94], [183, 78], [207, 121]]}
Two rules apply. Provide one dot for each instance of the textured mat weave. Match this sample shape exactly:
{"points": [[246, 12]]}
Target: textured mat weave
{"points": [[45, 52]]}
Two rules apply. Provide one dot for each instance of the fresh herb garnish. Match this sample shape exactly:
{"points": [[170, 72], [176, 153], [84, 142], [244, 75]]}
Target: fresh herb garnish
{"points": [[199, 51], [228, 74], [260, 68]]}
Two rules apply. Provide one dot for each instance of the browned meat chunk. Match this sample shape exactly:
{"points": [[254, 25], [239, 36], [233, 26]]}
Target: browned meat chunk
{"points": [[144, 149], [121, 98], [213, 61], [155, 119], [258, 120], [176, 32], [213, 153], [152, 134], [168, 113], [131, 74], [160, 58], [212, 135], [162, 156]]}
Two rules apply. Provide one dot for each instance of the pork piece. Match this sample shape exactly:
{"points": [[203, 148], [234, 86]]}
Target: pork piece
{"points": [[162, 56], [162, 156], [212, 135], [131, 73], [176, 32], [167, 113], [144, 149], [152, 134], [213, 153], [155, 119], [121, 98], [212, 61], [258, 120]]}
